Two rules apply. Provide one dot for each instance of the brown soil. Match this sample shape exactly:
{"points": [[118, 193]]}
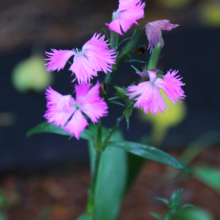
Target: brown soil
{"points": [[66, 195]]}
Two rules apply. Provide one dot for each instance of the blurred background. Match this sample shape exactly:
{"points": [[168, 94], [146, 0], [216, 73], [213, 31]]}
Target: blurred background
{"points": [[47, 175]]}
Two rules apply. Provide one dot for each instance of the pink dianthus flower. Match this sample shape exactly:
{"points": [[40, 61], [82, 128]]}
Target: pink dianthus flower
{"points": [[129, 11], [65, 111], [95, 56], [154, 34], [148, 96]]}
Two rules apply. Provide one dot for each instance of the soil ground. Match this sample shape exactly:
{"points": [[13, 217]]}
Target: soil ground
{"points": [[63, 195]]}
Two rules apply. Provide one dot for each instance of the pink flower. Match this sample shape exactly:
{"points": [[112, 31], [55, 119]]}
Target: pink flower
{"points": [[94, 56], [129, 11], [153, 31], [65, 111], [148, 96]]}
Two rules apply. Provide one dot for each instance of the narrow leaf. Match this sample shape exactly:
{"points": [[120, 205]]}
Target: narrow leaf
{"points": [[113, 98], [117, 103], [186, 206], [137, 70], [121, 42], [106, 34], [46, 127], [136, 61], [163, 200], [149, 153]]}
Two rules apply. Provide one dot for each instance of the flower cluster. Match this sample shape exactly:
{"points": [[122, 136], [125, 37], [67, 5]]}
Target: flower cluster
{"points": [[96, 55]]}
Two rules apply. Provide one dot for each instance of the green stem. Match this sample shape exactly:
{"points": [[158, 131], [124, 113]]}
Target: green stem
{"points": [[125, 53], [118, 121], [91, 192], [114, 40], [98, 144], [154, 57]]}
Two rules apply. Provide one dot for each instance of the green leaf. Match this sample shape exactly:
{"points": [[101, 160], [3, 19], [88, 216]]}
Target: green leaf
{"points": [[186, 206], [163, 200], [106, 34], [111, 182], [209, 176], [149, 153], [113, 98], [117, 103], [194, 214], [46, 127], [85, 217], [137, 70], [122, 41], [136, 61], [135, 164], [158, 217]]}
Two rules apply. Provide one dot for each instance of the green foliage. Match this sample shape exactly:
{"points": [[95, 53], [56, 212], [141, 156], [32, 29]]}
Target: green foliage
{"points": [[121, 93], [173, 205], [111, 181], [194, 214], [136, 61], [209, 176], [46, 127], [150, 153], [85, 217]]}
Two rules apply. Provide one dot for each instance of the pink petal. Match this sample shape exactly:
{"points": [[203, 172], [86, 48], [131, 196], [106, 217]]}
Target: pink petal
{"points": [[148, 97], [171, 84], [81, 91], [154, 34], [59, 107], [128, 13], [83, 70], [92, 105], [76, 124], [115, 26], [95, 56], [57, 59]]}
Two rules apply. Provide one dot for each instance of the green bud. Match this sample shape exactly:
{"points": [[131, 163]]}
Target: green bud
{"points": [[121, 92]]}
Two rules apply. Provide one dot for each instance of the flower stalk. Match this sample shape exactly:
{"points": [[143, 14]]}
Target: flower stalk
{"points": [[91, 192], [154, 57]]}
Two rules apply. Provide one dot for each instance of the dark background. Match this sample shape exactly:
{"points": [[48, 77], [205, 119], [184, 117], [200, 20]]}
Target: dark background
{"points": [[31, 25]]}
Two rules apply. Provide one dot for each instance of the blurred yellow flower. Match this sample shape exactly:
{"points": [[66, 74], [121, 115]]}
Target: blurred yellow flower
{"points": [[30, 75], [209, 14]]}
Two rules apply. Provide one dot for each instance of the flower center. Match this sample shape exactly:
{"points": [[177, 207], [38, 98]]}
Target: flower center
{"points": [[78, 52], [77, 106]]}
